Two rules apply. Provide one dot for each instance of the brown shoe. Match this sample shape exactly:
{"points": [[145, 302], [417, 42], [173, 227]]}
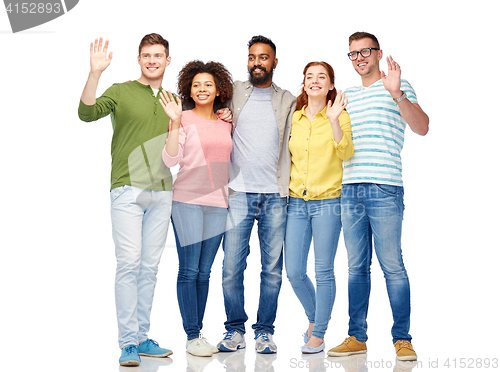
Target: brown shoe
{"points": [[350, 346], [404, 350]]}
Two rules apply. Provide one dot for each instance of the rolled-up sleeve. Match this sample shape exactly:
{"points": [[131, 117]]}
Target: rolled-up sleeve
{"points": [[344, 148], [171, 161]]}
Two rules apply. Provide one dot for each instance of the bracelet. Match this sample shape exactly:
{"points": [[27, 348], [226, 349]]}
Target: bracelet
{"points": [[397, 100]]}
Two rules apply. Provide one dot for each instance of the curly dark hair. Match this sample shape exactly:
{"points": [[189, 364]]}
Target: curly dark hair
{"points": [[222, 78]]}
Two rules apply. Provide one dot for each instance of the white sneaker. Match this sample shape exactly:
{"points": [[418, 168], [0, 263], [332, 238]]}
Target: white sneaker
{"points": [[214, 349], [199, 347]]}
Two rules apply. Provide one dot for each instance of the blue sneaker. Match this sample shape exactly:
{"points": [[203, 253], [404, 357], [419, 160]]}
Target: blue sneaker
{"points": [[150, 348], [130, 356]]}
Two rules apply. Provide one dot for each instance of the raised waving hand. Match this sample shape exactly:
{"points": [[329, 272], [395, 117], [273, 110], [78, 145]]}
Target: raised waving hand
{"points": [[333, 110], [171, 105], [392, 81], [99, 60], [173, 108]]}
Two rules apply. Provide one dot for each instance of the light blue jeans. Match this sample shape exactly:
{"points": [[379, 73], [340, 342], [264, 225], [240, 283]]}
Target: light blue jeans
{"points": [[374, 212], [140, 221], [198, 232], [270, 212], [319, 221]]}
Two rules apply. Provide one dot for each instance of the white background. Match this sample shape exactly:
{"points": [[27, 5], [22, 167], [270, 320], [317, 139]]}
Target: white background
{"points": [[57, 255]]}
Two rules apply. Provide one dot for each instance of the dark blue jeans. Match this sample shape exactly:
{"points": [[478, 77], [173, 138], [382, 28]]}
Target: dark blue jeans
{"points": [[198, 232]]}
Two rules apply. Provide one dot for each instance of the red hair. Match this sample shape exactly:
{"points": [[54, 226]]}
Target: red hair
{"points": [[302, 98]]}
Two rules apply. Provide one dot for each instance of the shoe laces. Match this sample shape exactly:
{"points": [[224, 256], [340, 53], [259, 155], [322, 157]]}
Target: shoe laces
{"points": [[150, 341], [262, 335], [130, 349], [202, 340], [229, 334], [405, 344]]}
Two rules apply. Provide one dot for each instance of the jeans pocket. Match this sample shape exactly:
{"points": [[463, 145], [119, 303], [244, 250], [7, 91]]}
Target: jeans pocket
{"points": [[117, 192], [395, 194], [233, 193], [388, 189]]}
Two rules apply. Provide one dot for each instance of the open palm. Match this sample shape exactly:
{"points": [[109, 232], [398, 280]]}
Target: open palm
{"points": [[392, 81], [171, 105], [333, 110], [98, 59]]}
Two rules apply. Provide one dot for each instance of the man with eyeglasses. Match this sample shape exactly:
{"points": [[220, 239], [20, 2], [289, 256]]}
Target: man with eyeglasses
{"points": [[372, 191]]}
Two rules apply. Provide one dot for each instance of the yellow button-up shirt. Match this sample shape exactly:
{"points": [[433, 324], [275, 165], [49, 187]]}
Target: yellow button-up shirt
{"points": [[316, 158]]}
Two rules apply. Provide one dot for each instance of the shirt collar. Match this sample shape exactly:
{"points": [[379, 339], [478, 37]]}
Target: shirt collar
{"points": [[250, 85], [147, 87], [322, 113]]}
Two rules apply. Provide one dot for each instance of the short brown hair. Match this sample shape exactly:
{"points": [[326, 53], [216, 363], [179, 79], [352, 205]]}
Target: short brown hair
{"points": [[363, 35], [153, 39]]}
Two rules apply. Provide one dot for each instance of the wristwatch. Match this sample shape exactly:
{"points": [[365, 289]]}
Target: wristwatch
{"points": [[397, 100]]}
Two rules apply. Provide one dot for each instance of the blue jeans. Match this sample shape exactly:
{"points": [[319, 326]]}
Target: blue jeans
{"points": [[318, 220], [375, 211], [198, 232], [270, 212], [140, 223]]}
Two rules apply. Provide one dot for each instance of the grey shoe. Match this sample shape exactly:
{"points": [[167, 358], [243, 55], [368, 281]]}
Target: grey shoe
{"points": [[264, 343], [232, 341]]}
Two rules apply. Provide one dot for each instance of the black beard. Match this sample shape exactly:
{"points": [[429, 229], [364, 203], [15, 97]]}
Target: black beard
{"points": [[264, 79]]}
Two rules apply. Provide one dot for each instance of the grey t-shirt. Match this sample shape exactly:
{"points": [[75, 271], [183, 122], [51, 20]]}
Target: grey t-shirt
{"points": [[255, 151]]}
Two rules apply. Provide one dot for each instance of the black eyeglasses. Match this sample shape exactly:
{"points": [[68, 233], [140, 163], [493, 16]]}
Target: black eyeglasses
{"points": [[366, 52]]}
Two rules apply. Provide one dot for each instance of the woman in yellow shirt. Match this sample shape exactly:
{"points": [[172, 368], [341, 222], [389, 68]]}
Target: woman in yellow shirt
{"points": [[320, 140]]}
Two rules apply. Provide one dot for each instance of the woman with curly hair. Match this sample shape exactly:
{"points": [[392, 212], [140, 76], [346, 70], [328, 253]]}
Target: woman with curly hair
{"points": [[320, 139], [200, 143]]}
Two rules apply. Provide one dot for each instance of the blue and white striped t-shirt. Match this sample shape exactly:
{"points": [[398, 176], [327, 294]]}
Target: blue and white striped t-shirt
{"points": [[378, 131]]}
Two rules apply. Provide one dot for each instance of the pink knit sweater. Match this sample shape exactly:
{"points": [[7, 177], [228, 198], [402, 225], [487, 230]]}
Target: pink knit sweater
{"points": [[203, 156]]}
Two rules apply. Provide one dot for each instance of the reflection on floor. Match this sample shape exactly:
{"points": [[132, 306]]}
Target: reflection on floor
{"points": [[235, 362]]}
